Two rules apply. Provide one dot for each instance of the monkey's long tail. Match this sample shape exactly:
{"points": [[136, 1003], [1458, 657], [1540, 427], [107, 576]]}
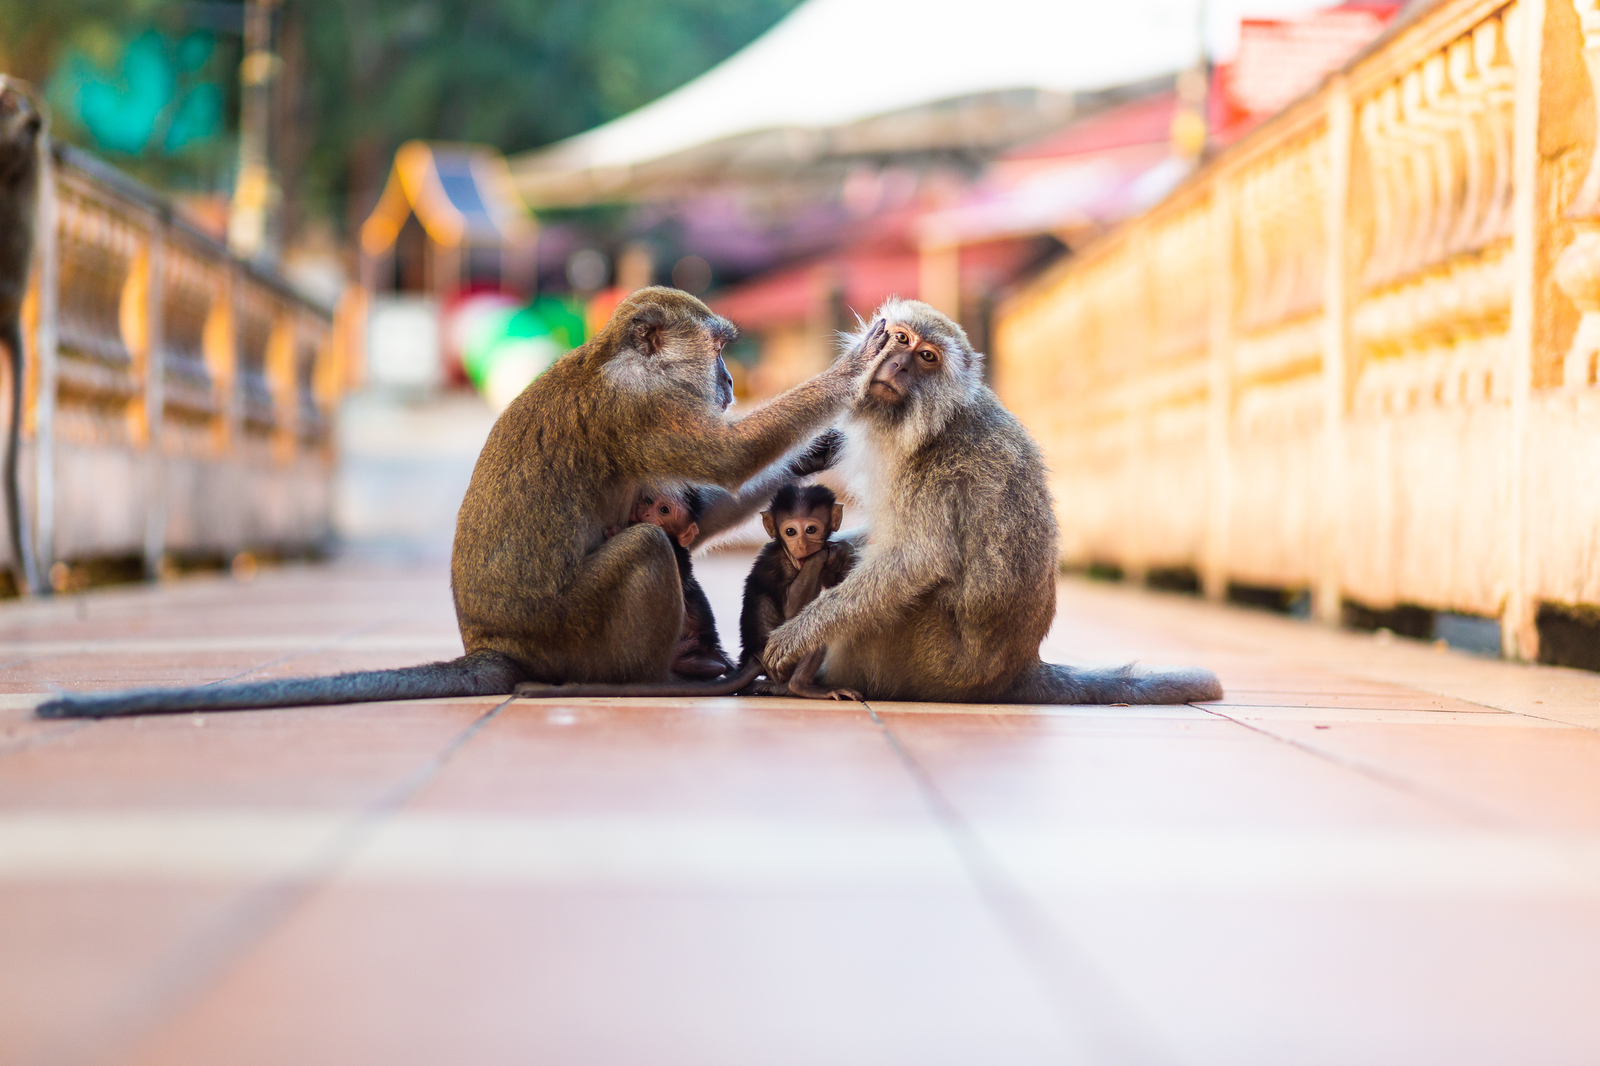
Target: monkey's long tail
{"points": [[1053, 683], [21, 543], [725, 687], [482, 673]]}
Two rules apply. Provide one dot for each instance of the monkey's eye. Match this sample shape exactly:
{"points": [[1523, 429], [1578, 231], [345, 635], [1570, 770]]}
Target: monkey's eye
{"points": [[927, 357], [900, 335], [790, 531], [665, 509], [810, 530]]}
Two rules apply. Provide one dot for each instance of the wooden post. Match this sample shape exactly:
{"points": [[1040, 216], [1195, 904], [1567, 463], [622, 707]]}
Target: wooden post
{"points": [[1519, 636], [1327, 598]]}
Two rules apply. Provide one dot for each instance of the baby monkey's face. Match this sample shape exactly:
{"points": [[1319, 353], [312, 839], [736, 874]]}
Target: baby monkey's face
{"points": [[667, 511], [803, 535]]}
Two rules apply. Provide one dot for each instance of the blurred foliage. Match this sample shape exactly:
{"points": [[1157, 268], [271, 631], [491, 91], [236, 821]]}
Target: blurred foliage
{"points": [[513, 73], [158, 97]]}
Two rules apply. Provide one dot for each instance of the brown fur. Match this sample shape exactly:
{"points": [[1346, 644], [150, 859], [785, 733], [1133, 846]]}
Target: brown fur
{"points": [[956, 589]]}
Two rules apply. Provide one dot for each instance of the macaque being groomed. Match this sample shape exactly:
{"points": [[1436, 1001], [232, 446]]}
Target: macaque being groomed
{"points": [[790, 570], [951, 597], [699, 655], [541, 593]]}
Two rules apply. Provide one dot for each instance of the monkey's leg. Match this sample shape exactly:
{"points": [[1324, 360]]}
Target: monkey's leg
{"points": [[622, 614], [803, 681]]}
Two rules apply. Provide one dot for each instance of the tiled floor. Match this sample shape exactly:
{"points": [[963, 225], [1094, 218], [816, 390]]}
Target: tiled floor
{"points": [[1369, 853]]}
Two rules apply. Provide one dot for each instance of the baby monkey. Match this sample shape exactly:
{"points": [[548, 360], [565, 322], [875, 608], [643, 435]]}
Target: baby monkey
{"points": [[791, 569], [699, 655]]}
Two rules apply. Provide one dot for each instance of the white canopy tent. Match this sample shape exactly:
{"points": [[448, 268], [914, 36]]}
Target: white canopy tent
{"points": [[834, 62]]}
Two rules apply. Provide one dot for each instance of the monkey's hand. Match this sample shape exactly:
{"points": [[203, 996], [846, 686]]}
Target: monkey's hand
{"points": [[858, 359], [820, 454], [787, 645]]}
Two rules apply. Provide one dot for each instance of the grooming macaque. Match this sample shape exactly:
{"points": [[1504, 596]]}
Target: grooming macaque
{"points": [[699, 653], [541, 594], [950, 599], [21, 162], [790, 570]]}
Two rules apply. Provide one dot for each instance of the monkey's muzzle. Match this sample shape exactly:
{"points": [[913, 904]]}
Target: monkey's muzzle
{"points": [[884, 391]]}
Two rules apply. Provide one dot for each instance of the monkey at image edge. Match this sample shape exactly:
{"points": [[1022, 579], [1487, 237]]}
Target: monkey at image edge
{"points": [[22, 142]]}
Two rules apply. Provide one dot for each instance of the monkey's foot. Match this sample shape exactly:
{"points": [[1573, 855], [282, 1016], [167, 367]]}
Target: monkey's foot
{"points": [[845, 694]]}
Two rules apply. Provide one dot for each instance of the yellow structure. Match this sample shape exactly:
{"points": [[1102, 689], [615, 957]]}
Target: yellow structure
{"points": [[1355, 353], [464, 203]]}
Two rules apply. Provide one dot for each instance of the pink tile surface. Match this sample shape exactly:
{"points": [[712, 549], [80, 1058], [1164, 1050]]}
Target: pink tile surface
{"points": [[1368, 852]]}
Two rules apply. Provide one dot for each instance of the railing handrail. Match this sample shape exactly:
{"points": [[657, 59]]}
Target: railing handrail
{"points": [[137, 194]]}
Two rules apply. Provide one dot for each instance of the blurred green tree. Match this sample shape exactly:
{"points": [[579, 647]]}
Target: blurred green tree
{"points": [[366, 75]]}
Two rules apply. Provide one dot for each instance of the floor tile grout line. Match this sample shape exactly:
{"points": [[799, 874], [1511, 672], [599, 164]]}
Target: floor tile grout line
{"points": [[1111, 1025], [204, 957], [1388, 778]]}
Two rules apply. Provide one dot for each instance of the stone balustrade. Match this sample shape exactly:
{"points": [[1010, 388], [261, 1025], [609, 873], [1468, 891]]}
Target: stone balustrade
{"points": [[1355, 353], [179, 402]]}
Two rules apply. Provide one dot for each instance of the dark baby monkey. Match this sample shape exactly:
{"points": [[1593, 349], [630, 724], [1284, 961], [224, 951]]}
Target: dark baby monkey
{"points": [[795, 565], [699, 655], [789, 572]]}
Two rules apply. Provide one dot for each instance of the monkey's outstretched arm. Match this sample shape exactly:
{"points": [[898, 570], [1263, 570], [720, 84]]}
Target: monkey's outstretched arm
{"points": [[730, 453], [723, 510], [880, 587]]}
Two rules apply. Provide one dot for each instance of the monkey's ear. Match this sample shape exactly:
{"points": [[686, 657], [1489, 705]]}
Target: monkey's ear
{"points": [[691, 531], [770, 524], [837, 519], [648, 329]]}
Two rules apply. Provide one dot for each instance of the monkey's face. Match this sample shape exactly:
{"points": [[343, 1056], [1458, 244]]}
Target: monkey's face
{"points": [[669, 338], [804, 534], [667, 511], [925, 370], [907, 361]]}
